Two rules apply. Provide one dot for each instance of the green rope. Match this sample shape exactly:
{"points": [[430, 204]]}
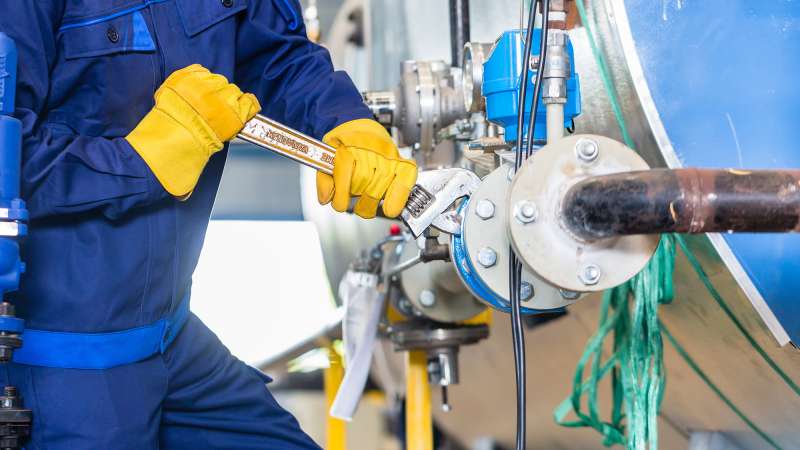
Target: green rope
{"points": [[681, 351], [701, 273], [630, 312], [636, 364]]}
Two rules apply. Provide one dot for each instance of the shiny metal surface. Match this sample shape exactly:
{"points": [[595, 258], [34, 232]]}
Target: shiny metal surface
{"points": [[446, 186], [546, 246], [436, 280]]}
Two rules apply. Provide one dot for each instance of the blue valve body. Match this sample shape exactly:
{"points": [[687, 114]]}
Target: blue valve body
{"points": [[502, 82]]}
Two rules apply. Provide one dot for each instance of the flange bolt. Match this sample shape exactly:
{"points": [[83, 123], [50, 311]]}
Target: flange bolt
{"points": [[485, 209], [526, 212], [487, 257], [587, 150], [590, 274], [427, 298]]}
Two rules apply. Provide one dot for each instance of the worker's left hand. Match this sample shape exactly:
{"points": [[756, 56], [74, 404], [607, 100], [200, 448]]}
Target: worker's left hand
{"points": [[367, 165]]}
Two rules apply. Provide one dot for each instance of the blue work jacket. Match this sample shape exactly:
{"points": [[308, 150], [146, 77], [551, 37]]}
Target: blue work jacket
{"points": [[109, 249]]}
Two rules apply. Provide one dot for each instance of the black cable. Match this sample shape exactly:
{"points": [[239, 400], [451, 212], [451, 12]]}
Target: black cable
{"points": [[515, 272], [537, 85]]}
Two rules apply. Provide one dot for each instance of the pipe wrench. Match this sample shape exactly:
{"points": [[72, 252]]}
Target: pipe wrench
{"points": [[430, 200]]}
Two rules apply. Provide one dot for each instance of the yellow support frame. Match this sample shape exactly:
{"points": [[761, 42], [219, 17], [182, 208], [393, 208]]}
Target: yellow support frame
{"points": [[335, 429], [419, 425]]}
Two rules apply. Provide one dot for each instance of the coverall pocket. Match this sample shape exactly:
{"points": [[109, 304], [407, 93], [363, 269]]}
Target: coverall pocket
{"points": [[106, 36], [200, 15]]}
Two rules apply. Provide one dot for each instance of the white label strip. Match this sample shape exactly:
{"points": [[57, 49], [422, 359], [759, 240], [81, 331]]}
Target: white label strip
{"points": [[290, 143]]}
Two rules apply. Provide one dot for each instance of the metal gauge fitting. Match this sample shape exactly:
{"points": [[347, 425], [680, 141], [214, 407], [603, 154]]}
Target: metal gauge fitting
{"points": [[429, 98], [486, 249], [475, 55], [546, 246]]}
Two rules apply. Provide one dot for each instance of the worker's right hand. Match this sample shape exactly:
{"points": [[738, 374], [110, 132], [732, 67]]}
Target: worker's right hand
{"points": [[195, 113]]}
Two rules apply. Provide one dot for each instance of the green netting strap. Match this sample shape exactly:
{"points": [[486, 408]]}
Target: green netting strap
{"points": [[681, 351], [701, 273], [636, 363]]}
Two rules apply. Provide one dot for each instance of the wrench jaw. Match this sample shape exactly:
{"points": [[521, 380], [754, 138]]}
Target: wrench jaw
{"points": [[436, 191]]}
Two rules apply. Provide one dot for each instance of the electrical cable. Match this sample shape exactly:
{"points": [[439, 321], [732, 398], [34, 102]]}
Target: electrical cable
{"points": [[515, 266]]}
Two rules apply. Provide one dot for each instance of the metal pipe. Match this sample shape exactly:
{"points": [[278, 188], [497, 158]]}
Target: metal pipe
{"points": [[403, 266], [555, 122], [683, 201], [459, 30]]}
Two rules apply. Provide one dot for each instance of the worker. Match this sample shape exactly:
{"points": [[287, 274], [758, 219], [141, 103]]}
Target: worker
{"points": [[126, 107]]}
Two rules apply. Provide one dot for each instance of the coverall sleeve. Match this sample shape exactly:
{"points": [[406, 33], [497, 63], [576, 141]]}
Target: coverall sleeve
{"points": [[62, 172], [292, 77]]}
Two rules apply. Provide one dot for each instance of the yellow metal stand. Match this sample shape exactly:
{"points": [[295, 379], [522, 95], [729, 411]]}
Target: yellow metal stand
{"points": [[335, 429], [419, 427]]}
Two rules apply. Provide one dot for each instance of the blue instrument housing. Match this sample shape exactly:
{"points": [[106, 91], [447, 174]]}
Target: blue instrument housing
{"points": [[502, 75]]}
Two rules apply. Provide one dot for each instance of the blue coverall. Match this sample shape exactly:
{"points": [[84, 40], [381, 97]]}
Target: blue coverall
{"points": [[109, 249]]}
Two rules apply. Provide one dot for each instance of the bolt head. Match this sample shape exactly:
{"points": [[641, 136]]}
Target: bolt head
{"points": [[427, 298], [485, 209], [526, 212], [590, 274], [487, 257], [526, 291], [569, 295], [587, 150]]}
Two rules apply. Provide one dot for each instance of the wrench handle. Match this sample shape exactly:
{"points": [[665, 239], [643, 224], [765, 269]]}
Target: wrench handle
{"points": [[290, 143]]}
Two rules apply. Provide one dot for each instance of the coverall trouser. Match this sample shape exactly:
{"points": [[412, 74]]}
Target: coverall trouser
{"points": [[195, 395]]}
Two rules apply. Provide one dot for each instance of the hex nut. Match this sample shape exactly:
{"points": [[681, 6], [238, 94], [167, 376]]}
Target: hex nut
{"points": [[526, 291], [587, 150], [487, 257], [590, 274], [427, 298], [485, 209], [569, 295], [526, 212]]}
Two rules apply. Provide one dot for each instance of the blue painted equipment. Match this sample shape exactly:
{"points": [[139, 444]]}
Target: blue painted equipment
{"points": [[473, 282], [12, 209], [8, 74], [720, 112], [15, 420], [501, 86]]}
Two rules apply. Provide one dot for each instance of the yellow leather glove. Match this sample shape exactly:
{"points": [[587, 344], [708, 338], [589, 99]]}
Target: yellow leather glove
{"points": [[367, 165], [196, 112]]}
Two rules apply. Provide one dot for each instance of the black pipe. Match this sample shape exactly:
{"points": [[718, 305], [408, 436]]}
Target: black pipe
{"points": [[459, 30], [683, 201]]}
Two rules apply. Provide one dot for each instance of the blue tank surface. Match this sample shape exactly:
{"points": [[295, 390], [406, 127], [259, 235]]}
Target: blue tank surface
{"points": [[723, 77]]}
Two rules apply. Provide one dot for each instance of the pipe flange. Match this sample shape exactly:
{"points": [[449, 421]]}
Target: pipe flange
{"points": [[435, 289], [482, 231], [412, 336], [545, 246]]}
